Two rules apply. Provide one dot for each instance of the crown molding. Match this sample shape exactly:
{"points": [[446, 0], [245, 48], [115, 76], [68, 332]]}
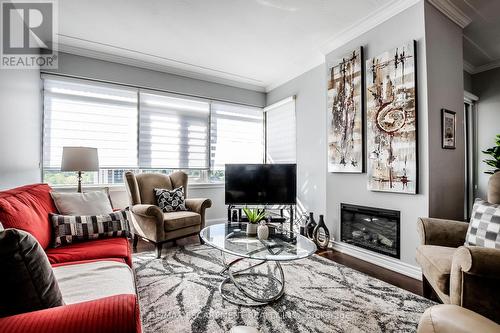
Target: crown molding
{"points": [[468, 67], [365, 24], [351, 32], [471, 69], [452, 12], [142, 60]]}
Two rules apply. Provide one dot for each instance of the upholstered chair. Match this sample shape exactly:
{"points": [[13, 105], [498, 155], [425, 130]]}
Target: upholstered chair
{"points": [[468, 276], [150, 222], [447, 318]]}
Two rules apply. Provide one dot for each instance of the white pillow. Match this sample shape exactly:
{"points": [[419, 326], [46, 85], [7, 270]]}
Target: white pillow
{"points": [[88, 203]]}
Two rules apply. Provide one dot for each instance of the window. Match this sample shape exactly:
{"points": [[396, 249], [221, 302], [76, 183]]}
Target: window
{"points": [[237, 135], [173, 132], [280, 132], [145, 131], [77, 113]]}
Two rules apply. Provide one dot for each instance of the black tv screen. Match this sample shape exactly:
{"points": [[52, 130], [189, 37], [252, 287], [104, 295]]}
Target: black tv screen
{"points": [[261, 184]]}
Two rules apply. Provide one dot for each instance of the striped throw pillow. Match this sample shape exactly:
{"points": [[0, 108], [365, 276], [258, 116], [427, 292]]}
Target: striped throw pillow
{"points": [[68, 228], [484, 225]]}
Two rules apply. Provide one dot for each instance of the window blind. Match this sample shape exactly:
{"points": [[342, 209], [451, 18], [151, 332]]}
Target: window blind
{"points": [[173, 132], [236, 134], [281, 132], [90, 114]]}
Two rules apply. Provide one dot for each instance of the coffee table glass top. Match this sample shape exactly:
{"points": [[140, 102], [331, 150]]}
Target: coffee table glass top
{"points": [[280, 245]]}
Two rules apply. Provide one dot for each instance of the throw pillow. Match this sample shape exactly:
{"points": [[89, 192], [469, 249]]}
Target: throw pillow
{"points": [[68, 228], [484, 225], [87, 203], [170, 200], [27, 280]]}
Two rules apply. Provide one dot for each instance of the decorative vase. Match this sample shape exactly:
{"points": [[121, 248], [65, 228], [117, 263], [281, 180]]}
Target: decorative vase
{"points": [[311, 224], [263, 231], [321, 235], [251, 228], [494, 188]]}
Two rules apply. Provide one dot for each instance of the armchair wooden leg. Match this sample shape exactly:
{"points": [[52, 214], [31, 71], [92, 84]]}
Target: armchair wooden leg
{"points": [[134, 244], [158, 250], [427, 290]]}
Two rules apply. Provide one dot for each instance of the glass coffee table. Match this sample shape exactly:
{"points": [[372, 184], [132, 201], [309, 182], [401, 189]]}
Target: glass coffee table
{"points": [[281, 245]]}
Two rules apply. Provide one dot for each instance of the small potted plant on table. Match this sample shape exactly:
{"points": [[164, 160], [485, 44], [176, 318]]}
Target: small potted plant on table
{"points": [[254, 216], [494, 163]]}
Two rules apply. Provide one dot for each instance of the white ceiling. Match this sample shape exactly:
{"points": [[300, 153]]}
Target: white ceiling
{"points": [[256, 44], [482, 34]]}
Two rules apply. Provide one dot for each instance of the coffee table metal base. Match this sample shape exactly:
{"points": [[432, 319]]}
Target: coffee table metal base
{"points": [[253, 298]]}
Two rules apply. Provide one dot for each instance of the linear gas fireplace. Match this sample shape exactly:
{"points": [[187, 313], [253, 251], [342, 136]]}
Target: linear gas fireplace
{"points": [[371, 228]]}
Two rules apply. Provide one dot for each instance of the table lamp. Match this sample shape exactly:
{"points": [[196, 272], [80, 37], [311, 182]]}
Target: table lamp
{"points": [[79, 159]]}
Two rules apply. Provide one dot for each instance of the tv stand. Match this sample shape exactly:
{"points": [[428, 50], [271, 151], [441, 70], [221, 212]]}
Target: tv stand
{"points": [[234, 214]]}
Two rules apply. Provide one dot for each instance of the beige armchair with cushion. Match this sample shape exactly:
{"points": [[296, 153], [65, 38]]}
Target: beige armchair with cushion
{"points": [[468, 276], [446, 318], [150, 222]]}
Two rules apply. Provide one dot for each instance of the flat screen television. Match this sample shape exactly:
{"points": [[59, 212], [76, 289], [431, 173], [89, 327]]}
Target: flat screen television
{"points": [[261, 184]]}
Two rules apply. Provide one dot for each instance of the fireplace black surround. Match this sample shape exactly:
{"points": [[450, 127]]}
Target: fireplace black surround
{"points": [[371, 228]]}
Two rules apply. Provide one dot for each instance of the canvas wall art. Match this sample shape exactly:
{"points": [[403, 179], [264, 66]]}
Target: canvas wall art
{"points": [[392, 121], [448, 130], [345, 114]]}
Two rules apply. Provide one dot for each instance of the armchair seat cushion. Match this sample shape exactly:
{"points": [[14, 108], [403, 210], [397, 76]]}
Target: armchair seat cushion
{"points": [[436, 265], [181, 219]]}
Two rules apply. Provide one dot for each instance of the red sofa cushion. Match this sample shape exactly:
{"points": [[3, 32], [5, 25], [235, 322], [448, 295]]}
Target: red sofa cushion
{"points": [[96, 249], [27, 208], [118, 314]]}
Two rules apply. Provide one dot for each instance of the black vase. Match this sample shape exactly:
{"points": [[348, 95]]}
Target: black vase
{"points": [[321, 235], [311, 224]]}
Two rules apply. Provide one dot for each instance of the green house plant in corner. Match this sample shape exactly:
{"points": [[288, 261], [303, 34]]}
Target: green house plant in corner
{"points": [[254, 216], [494, 162]]}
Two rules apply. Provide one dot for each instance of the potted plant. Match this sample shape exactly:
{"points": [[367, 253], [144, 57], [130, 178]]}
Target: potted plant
{"points": [[494, 162], [254, 216]]}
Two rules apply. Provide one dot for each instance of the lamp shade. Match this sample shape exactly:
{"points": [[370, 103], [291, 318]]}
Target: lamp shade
{"points": [[79, 159]]}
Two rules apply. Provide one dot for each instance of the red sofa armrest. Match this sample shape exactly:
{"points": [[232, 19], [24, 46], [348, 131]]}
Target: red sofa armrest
{"points": [[118, 314]]}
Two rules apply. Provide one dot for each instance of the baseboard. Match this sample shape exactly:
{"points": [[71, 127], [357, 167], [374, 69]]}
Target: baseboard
{"points": [[378, 259]]}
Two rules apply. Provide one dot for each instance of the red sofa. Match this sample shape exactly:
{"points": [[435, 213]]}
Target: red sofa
{"points": [[27, 208]]}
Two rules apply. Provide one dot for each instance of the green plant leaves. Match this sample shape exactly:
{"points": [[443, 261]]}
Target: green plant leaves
{"points": [[254, 215], [494, 152]]}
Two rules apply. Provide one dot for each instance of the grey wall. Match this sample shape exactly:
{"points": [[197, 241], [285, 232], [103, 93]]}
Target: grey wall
{"points": [[20, 127], [445, 90], [487, 87], [310, 89], [84, 67], [467, 82]]}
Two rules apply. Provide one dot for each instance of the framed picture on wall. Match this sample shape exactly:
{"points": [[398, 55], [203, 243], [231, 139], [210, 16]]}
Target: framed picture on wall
{"points": [[448, 120]]}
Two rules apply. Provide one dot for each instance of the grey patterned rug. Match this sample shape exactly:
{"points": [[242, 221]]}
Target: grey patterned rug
{"points": [[179, 293]]}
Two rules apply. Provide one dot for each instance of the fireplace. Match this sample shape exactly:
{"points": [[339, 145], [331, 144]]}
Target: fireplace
{"points": [[371, 228]]}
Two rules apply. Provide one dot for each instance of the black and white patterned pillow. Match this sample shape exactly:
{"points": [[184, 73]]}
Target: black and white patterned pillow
{"points": [[484, 225], [170, 200], [70, 228]]}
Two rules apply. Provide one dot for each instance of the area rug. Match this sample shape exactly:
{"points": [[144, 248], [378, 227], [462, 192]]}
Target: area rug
{"points": [[179, 293]]}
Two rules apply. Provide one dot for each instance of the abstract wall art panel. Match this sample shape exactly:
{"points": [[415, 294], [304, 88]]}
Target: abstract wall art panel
{"points": [[392, 121], [345, 114]]}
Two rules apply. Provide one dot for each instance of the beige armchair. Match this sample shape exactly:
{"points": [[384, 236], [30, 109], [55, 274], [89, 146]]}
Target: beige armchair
{"points": [[468, 276], [150, 222], [446, 318]]}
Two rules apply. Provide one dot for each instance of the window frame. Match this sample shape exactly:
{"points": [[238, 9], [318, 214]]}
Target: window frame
{"points": [[205, 172]]}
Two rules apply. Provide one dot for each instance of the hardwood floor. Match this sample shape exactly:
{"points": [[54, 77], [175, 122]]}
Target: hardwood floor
{"points": [[399, 280], [386, 275]]}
